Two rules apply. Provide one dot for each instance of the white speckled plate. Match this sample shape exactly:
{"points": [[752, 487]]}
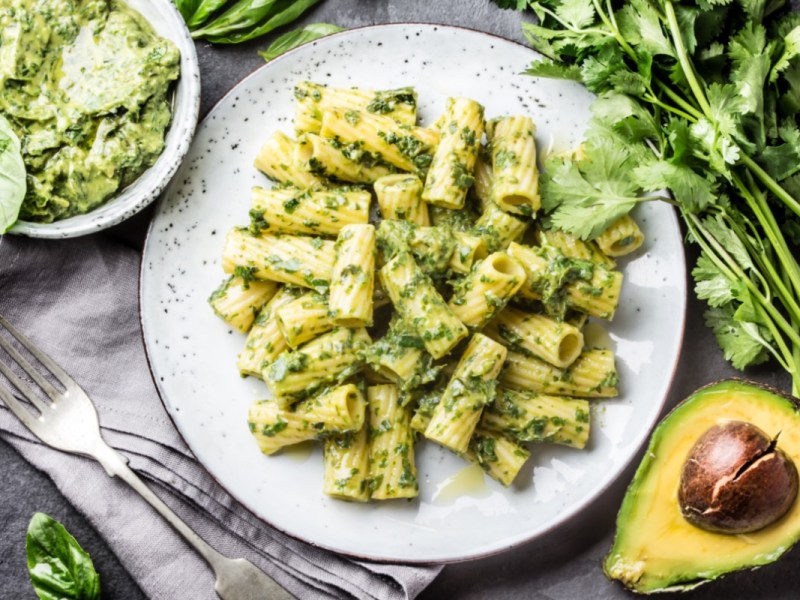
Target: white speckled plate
{"points": [[192, 352], [168, 23]]}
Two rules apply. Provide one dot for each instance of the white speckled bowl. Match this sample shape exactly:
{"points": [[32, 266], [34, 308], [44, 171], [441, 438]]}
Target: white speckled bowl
{"points": [[168, 23], [192, 353]]}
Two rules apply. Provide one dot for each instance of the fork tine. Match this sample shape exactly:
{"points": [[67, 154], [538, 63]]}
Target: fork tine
{"points": [[34, 374], [23, 414], [48, 362], [23, 388]]}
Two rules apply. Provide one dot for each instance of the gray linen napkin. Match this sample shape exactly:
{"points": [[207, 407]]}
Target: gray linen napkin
{"points": [[78, 301]]}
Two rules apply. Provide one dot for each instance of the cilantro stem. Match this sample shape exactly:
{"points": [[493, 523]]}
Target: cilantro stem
{"points": [[758, 205], [678, 99], [773, 185], [653, 99], [613, 28], [685, 62], [731, 269]]}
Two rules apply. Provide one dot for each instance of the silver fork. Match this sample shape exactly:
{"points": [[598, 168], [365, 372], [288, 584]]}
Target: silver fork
{"points": [[69, 423]]}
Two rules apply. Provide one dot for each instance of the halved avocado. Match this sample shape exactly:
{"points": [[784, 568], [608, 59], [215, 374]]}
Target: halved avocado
{"points": [[655, 548]]}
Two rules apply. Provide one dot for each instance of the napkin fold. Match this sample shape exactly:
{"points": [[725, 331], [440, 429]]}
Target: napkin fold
{"points": [[78, 301]]}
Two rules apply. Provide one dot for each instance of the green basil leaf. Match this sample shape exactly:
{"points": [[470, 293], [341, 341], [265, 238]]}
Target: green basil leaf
{"points": [[13, 183], [205, 8], [59, 568], [285, 12], [187, 8], [298, 37], [242, 15]]}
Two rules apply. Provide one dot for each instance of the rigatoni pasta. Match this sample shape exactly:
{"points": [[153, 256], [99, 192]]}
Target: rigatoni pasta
{"points": [[531, 417], [265, 340], [353, 277], [470, 388], [313, 99], [480, 295], [407, 148], [592, 375], [304, 318], [515, 178], [622, 237], [421, 305], [239, 299], [346, 460], [500, 457], [477, 312], [392, 469], [330, 358], [338, 410], [399, 197], [277, 160], [291, 259], [450, 174], [557, 342], [315, 212], [328, 157]]}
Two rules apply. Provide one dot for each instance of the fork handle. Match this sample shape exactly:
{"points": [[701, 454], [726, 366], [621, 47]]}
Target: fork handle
{"points": [[116, 464]]}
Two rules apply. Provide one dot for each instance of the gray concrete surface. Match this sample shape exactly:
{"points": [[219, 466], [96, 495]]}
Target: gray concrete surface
{"points": [[565, 565]]}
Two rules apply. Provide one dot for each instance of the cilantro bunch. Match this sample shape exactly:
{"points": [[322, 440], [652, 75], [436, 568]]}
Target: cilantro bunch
{"points": [[699, 97]]}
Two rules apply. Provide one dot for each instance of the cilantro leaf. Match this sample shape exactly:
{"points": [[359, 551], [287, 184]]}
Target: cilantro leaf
{"points": [[711, 284], [585, 196], [741, 342], [554, 70], [640, 24], [692, 191]]}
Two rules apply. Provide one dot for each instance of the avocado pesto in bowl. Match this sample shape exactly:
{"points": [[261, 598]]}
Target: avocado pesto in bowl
{"points": [[103, 95]]}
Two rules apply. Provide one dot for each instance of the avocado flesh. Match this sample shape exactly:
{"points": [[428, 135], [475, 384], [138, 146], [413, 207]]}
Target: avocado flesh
{"points": [[655, 548]]}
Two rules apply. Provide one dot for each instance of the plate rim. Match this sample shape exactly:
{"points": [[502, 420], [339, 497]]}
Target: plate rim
{"points": [[568, 515]]}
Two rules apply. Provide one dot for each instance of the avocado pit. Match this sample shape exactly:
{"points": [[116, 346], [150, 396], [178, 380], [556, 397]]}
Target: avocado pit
{"points": [[736, 480]]}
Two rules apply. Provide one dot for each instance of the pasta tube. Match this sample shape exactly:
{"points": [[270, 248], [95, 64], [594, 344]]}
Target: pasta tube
{"points": [[331, 158], [498, 228], [313, 99], [330, 358], [420, 305], [450, 175], [239, 299], [622, 237], [276, 160], [400, 356], [338, 410], [406, 147], [515, 178], [304, 319], [531, 417], [438, 250], [581, 285], [320, 212], [291, 259], [470, 388], [457, 220], [399, 198], [353, 277], [556, 342], [265, 341], [592, 375], [572, 247], [487, 289], [498, 456], [483, 178], [392, 471], [346, 461]]}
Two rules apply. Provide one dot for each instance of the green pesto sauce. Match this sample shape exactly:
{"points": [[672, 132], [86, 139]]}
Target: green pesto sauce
{"points": [[85, 85]]}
